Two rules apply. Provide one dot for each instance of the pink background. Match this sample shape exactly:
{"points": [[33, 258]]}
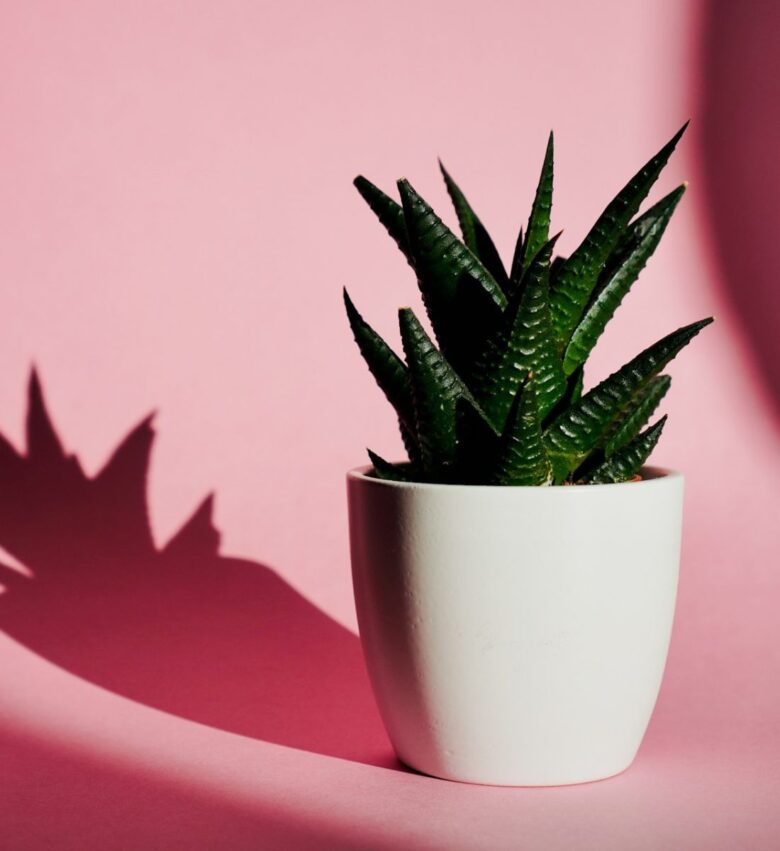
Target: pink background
{"points": [[176, 222]]}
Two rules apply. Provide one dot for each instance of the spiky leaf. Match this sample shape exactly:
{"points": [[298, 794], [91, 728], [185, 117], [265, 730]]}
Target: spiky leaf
{"points": [[637, 414], [516, 272], [526, 343], [627, 462], [573, 286], [444, 265], [388, 211], [387, 368], [385, 470], [575, 433], [475, 235], [641, 225], [522, 458], [641, 242], [572, 394], [538, 231], [435, 391]]}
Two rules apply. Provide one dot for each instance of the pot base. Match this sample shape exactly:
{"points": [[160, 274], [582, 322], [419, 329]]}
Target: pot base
{"points": [[526, 783]]}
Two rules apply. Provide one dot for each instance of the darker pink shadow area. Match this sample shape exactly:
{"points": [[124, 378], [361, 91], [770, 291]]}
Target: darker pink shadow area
{"points": [[221, 641], [739, 94]]}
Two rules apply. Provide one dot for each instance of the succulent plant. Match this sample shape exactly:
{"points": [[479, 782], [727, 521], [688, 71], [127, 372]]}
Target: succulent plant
{"points": [[500, 399]]}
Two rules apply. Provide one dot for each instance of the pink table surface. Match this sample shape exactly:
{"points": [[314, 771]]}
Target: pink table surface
{"points": [[176, 221]]}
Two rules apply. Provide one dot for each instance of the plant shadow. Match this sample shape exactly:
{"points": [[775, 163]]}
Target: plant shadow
{"points": [[222, 641]]}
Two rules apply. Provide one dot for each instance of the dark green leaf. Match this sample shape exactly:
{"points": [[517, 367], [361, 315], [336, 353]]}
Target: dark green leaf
{"points": [[627, 462], [572, 288], [525, 343], [444, 265], [385, 470], [571, 395], [435, 391], [475, 235], [644, 237], [387, 368], [637, 414], [516, 272], [522, 458], [538, 231], [575, 433], [642, 225], [387, 210]]}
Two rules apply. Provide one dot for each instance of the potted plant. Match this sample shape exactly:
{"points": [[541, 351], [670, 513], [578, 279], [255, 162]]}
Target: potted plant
{"points": [[515, 579]]}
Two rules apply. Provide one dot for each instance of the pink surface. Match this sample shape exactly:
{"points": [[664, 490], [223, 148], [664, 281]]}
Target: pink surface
{"points": [[176, 223]]}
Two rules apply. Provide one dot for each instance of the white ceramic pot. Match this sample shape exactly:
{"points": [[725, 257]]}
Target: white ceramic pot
{"points": [[516, 635]]}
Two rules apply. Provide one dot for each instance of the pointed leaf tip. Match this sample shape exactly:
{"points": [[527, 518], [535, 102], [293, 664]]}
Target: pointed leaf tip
{"points": [[129, 462], [634, 250], [475, 235], [628, 461], [385, 470], [388, 369], [579, 275], [578, 430], [198, 536], [436, 389], [538, 228], [148, 421], [444, 266], [522, 459], [35, 390], [634, 418], [42, 438], [387, 210]]}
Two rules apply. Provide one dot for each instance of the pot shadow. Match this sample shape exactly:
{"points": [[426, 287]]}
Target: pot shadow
{"points": [[739, 100], [222, 641]]}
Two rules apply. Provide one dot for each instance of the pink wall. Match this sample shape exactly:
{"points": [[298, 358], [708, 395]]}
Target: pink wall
{"points": [[176, 222]]}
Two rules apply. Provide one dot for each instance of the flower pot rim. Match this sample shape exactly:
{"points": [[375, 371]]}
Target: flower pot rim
{"points": [[652, 476]]}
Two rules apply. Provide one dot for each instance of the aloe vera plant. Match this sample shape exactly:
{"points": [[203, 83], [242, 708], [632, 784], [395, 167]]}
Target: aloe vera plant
{"points": [[498, 397]]}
